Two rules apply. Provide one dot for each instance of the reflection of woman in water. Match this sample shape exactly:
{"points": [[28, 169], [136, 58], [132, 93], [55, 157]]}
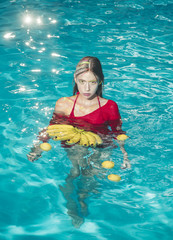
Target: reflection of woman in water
{"points": [[88, 110]]}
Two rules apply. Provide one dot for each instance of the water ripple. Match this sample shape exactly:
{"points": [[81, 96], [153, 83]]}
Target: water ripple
{"points": [[40, 44]]}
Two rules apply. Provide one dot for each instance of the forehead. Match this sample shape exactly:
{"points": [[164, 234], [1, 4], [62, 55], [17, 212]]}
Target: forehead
{"points": [[87, 76]]}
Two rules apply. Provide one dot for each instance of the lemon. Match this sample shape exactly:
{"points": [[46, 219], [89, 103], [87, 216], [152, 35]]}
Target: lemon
{"points": [[114, 177], [122, 137], [107, 164], [45, 146]]}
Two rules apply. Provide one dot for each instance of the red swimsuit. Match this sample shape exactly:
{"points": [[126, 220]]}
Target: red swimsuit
{"points": [[103, 120]]}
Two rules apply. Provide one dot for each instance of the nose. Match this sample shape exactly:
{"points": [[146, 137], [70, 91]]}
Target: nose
{"points": [[87, 86]]}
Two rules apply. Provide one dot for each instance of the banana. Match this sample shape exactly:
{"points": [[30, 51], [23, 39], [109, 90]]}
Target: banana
{"points": [[97, 137], [64, 137], [56, 130], [74, 139], [60, 126], [91, 139], [72, 135], [79, 130], [60, 133], [84, 140]]}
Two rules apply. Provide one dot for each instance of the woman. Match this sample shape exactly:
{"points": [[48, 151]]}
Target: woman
{"points": [[88, 110]]}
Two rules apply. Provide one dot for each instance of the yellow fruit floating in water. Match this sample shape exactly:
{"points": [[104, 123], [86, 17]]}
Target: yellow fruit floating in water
{"points": [[108, 164], [45, 146], [122, 137], [114, 177]]}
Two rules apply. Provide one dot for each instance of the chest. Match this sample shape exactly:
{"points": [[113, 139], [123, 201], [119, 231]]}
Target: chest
{"points": [[80, 110]]}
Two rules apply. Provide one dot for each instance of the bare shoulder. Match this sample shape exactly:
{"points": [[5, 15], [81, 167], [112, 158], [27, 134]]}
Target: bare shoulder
{"points": [[64, 105]]}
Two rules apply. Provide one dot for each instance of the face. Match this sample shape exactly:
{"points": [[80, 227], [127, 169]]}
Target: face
{"points": [[87, 84]]}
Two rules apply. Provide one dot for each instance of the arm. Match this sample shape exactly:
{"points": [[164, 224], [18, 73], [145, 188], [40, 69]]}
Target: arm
{"points": [[126, 162], [36, 151], [118, 131], [115, 123]]}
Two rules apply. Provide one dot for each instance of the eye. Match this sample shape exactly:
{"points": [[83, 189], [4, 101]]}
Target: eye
{"points": [[93, 82], [81, 81]]}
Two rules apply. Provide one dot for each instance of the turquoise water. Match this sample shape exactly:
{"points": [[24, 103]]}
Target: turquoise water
{"points": [[40, 44]]}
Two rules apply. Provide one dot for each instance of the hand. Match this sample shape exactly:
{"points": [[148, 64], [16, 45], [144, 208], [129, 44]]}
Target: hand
{"points": [[33, 156], [35, 153], [125, 164]]}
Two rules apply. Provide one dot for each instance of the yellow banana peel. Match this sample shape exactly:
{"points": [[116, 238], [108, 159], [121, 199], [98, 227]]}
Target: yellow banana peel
{"points": [[73, 135]]}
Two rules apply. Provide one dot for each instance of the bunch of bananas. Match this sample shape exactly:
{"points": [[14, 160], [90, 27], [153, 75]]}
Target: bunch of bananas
{"points": [[73, 135]]}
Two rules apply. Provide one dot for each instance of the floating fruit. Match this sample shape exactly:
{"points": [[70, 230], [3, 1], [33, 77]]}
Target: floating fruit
{"points": [[45, 146], [122, 137], [108, 164], [114, 177], [73, 135]]}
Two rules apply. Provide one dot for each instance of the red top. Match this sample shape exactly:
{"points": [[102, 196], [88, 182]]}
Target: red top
{"points": [[103, 120]]}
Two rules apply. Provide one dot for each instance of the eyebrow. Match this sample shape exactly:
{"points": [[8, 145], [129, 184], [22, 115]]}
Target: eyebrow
{"points": [[86, 80]]}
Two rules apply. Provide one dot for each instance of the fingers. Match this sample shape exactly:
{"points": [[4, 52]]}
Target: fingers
{"points": [[33, 156], [35, 153]]}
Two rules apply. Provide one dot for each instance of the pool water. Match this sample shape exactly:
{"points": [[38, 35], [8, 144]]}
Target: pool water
{"points": [[40, 44]]}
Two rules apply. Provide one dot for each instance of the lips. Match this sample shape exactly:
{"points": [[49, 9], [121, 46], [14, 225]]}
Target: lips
{"points": [[86, 94]]}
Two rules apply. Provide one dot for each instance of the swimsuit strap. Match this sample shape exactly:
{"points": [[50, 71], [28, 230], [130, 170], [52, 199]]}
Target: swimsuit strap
{"points": [[72, 111], [99, 101]]}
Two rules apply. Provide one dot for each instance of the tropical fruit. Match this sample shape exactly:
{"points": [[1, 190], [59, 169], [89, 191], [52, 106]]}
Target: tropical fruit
{"points": [[73, 135]]}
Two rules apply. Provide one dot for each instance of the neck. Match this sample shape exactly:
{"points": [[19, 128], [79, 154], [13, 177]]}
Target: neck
{"points": [[87, 101]]}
